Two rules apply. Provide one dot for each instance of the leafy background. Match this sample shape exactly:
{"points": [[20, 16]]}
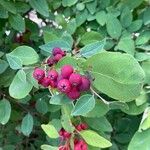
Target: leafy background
{"points": [[113, 36]]}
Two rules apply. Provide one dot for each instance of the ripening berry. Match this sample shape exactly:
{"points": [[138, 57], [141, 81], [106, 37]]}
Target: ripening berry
{"points": [[56, 51], [64, 134], [50, 61], [57, 57], [80, 145], [38, 74], [64, 86], [73, 94], [66, 71], [75, 79], [45, 82], [85, 85], [81, 127], [52, 74]]}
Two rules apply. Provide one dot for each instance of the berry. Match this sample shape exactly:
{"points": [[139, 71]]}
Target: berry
{"points": [[56, 51], [50, 61], [64, 148], [63, 53], [64, 86], [53, 84], [75, 79], [52, 74], [57, 57], [64, 134], [81, 127], [45, 82], [66, 71], [80, 145], [38, 74], [85, 85], [73, 94]]}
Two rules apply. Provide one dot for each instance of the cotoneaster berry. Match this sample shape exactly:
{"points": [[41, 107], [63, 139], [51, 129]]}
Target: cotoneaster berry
{"points": [[45, 82], [66, 71], [64, 86], [38, 74], [74, 93], [75, 79], [52, 74], [85, 84]]}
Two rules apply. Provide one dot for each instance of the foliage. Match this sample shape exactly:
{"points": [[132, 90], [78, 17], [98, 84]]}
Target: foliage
{"points": [[108, 40]]}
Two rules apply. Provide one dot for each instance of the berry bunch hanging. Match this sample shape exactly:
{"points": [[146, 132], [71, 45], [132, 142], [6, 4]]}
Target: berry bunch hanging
{"points": [[67, 81], [79, 144]]}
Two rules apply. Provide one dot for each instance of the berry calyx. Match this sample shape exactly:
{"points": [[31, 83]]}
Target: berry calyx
{"points": [[56, 51], [66, 71], [38, 74], [52, 74], [85, 85], [64, 86], [57, 57], [73, 94], [75, 79], [45, 82]]}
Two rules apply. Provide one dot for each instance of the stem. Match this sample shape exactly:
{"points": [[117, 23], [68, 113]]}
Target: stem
{"points": [[94, 92]]}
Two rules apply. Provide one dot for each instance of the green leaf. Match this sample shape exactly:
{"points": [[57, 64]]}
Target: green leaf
{"points": [[135, 26], [41, 106], [101, 124], [50, 130], [40, 6], [68, 3], [101, 17], [14, 62], [117, 75], [26, 54], [134, 109], [71, 26], [3, 12], [22, 76], [9, 6], [81, 17], [92, 48], [140, 141], [126, 17], [133, 4], [145, 122], [59, 99], [146, 16], [90, 37], [126, 44], [27, 125], [113, 26], [84, 105], [48, 147], [3, 66], [80, 6], [5, 111], [18, 88], [48, 47], [91, 6], [94, 139], [99, 110], [17, 22]]}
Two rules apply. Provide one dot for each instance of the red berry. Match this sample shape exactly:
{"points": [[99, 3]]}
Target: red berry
{"points": [[66, 71], [64, 148], [53, 84], [56, 51], [64, 134], [73, 94], [85, 85], [45, 82], [57, 57], [80, 145], [50, 61], [63, 53], [75, 79], [81, 127], [38, 74], [52, 74], [64, 86], [78, 127]]}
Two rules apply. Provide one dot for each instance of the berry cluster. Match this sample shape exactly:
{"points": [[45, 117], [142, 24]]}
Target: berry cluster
{"points": [[57, 54], [68, 81], [79, 144]]}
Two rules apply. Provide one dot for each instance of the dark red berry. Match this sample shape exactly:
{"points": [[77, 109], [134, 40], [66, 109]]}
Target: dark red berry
{"points": [[57, 57], [56, 51], [66, 71], [85, 85], [52, 74], [64, 134], [80, 145], [53, 84], [38, 74], [63, 53], [81, 127], [64, 86], [75, 79], [45, 82], [74, 93], [50, 61]]}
